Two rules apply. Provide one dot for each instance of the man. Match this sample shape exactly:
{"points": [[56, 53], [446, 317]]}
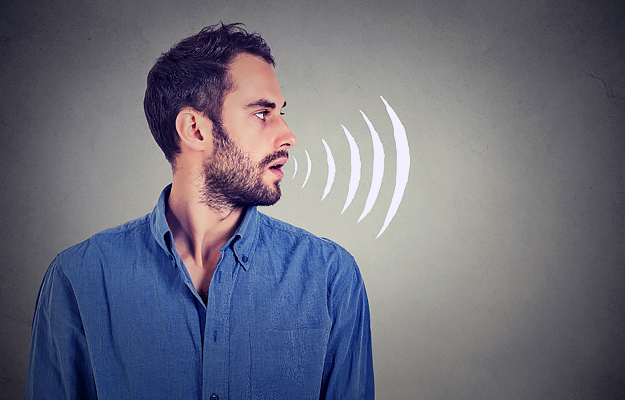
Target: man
{"points": [[206, 298]]}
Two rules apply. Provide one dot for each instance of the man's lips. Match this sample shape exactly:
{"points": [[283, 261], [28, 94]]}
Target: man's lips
{"points": [[276, 166], [278, 163]]}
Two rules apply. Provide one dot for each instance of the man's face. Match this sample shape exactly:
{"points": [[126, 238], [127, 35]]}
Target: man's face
{"points": [[250, 148]]}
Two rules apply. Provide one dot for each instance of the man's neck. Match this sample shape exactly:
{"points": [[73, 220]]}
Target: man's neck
{"points": [[199, 231]]}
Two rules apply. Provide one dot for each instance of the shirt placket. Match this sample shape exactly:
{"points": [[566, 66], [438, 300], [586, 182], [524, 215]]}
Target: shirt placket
{"points": [[217, 331]]}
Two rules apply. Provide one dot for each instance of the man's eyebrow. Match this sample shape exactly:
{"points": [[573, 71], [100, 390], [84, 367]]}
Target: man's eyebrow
{"points": [[263, 103]]}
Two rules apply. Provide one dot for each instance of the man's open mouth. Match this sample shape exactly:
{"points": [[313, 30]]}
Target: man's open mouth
{"points": [[278, 164]]}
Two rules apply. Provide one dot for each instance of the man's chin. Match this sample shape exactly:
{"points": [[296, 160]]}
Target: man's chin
{"points": [[272, 196], [270, 201]]}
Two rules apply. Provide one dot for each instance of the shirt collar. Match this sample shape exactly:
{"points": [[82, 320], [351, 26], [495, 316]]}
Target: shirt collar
{"points": [[158, 222], [242, 242]]}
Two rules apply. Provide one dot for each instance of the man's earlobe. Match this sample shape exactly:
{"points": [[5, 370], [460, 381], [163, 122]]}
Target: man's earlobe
{"points": [[192, 128]]}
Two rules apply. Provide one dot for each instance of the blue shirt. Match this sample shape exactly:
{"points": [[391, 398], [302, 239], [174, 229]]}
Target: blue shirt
{"points": [[118, 317]]}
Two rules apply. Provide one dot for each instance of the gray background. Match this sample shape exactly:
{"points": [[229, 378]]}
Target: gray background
{"points": [[501, 277]]}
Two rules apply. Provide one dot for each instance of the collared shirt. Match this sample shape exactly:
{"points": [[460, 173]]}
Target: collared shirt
{"points": [[118, 317]]}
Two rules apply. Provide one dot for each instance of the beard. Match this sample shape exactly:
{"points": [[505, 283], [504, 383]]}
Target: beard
{"points": [[233, 179]]}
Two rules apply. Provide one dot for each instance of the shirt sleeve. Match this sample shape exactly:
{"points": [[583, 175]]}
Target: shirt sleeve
{"points": [[59, 366], [348, 367]]}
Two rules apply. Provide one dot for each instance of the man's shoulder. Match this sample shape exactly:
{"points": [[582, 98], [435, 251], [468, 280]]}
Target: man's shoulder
{"points": [[280, 227], [288, 235], [115, 240]]}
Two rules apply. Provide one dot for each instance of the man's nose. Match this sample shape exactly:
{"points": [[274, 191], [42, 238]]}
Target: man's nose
{"points": [[285, 138]]}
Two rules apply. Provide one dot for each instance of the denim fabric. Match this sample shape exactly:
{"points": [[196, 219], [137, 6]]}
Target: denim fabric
{"points": [[118, 317]]}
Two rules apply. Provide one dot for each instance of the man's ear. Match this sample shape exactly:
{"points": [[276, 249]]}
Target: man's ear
{"points": [[194, 129]]}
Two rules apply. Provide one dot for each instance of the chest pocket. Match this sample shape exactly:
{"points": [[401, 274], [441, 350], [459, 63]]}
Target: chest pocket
{"points": [[287, 364]]}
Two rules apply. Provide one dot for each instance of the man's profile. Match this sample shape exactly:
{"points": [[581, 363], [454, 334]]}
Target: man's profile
{"points": [[206, 297]]}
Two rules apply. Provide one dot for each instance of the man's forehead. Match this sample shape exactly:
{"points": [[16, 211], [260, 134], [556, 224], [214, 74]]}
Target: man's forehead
{"points": [[254, 82]]}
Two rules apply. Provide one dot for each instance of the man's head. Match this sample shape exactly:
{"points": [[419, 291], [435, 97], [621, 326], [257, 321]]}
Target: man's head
{"points": [[195, 74], [214, 106]]}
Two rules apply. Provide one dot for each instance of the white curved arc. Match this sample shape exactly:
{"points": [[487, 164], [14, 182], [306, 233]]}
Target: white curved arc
{"points": [[378, 169], [354, 179], [403, 165], [309, 168], [331, 170], [295, 171]]}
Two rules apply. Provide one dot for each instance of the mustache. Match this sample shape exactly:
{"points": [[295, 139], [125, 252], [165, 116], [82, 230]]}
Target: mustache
{"points": [[274, 156]]}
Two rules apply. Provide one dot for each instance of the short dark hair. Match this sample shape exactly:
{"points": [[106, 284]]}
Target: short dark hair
{"points": [[194, 73]]}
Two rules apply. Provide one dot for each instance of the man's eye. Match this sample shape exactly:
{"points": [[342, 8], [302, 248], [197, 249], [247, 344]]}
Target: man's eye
{"points": [[262, 114]]}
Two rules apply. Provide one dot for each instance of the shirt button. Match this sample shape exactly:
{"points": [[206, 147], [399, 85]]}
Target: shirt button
{"points": [[244, 258], [214, 397]]}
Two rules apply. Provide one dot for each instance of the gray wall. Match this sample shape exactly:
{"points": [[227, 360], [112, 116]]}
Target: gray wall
{"points": [[501, 276]]}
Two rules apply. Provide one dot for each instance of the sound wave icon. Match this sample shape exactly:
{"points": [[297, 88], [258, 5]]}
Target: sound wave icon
{"points": [[401, 175]]}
